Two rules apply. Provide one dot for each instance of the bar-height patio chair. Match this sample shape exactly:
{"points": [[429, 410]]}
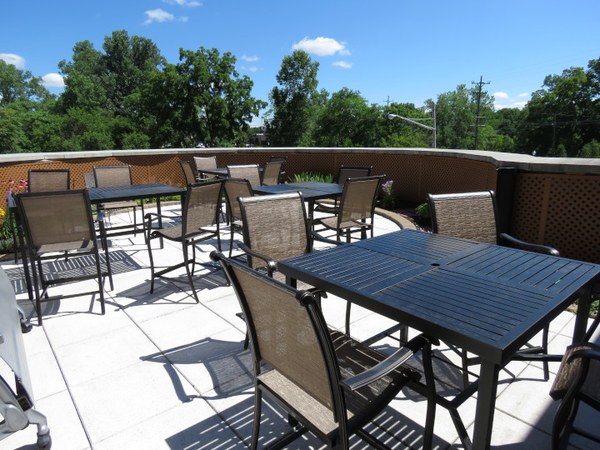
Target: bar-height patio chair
{"points": [[356, 211], [60, 224], [577, 380], [473, 215], [205, 162], [199, 222], [272, 173], [330, 384], [250, 172], [109, 176], [344, 172], [235, 188]]}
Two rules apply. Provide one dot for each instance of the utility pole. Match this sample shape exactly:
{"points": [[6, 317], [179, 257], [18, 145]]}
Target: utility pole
{"points": [[479, 86], [387, 102]]}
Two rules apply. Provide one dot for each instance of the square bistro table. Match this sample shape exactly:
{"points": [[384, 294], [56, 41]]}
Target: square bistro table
{"points": [[489, 300], [310, 190]]}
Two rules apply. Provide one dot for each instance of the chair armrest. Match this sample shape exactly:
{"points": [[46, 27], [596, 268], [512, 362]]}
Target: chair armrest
{"points": [[529, 246], [588, 353], [269, 262], [391, 363]]}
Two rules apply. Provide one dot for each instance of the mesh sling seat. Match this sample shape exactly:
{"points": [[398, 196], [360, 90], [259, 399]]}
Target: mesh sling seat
{"points": [[473, 215], [205, 162], [283, 159], [60, 224], [199, 222], [577, 380], [272, 173], [235, 188], [48, 180], [328, 383], [250, 172], [356, 210], [109, 176], [275, 228], [344, 172], [44, 180], [188, 172]]}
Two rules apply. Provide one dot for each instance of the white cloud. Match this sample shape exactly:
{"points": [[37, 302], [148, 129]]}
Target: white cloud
{"points": [[53, 80], [15, 60], [160, 15], [321, 46], [523, 95], [342, 64], [186, 3], [500, 95], [249, 58], [252, 69]]}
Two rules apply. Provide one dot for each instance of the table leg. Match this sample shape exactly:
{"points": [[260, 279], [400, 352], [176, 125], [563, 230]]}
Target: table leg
{"points": [[583, 310], [486, 404]]}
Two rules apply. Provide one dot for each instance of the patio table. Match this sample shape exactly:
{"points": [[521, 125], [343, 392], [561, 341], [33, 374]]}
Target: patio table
{"points": [[310, 190], [489, 300], [99, 195]]}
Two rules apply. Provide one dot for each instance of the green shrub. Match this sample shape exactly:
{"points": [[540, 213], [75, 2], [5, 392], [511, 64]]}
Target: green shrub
{"points": [[311, 176]]}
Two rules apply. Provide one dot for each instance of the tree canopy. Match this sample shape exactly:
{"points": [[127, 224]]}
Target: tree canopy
{"points": [[126, 95]]}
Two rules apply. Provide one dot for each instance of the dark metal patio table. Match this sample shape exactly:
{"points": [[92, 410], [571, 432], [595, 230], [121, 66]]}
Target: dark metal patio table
{"points": [[311, 191], [99, 195], [487, 299]]}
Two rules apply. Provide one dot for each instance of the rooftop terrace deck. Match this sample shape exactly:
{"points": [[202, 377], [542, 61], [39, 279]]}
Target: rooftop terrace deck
{"points": [[159, 371]]}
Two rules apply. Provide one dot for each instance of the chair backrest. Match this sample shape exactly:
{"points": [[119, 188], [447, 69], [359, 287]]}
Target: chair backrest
{"points": [[48, 180], [275, 226], [358, 198], [468, 215], [201, 206], [188, 172], [346, 172], [205, 162], [89, 180], [235, 188], [286, 330], [272, 172], [56, 217], [249, 172], [107, 176]]}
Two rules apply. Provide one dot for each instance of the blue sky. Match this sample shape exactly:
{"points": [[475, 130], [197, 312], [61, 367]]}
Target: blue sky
{"points": [[401, 50]]}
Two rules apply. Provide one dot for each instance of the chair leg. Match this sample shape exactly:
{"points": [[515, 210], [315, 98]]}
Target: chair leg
{"points": [[257, 417], [100, 279], [187, 269], [563, 423], [348, 308], [149, 244]]}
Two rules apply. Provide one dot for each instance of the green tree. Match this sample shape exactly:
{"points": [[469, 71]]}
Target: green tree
{"points": [[295, 101], [346, 120], [565, 112], [401, 133], [202, 99], [456, 118]]}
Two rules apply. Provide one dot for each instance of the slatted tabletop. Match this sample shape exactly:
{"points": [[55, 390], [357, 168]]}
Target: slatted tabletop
{"points": [[132, 192], [311, 190], [487, 299]]}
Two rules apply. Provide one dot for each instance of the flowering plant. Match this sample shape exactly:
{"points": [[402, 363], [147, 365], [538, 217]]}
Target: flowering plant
{"points": [[388, 194], [7, 220]]}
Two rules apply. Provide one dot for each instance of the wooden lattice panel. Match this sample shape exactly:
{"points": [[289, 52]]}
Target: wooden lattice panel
{"points": [[561, 211]]}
